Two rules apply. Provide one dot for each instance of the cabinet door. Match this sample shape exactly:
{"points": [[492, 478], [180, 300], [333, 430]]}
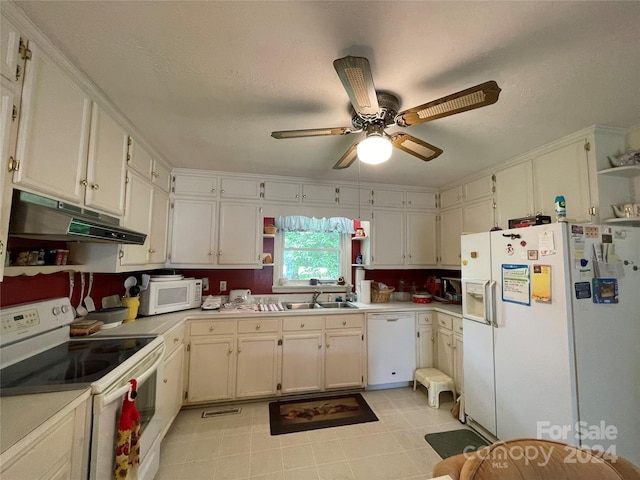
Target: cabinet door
{"points": [[211, 369], [139, 159], [458, 371], [159, 227], [343, 365], [348, 195], [425, 200], [425, 346], [53, 134], [450, 231], [240, 188], [514, 193], [106, 166], [323, 194], [192, 232], [11, 64], [195, 185], [138, 218], [302, 362], [161, 176], [421, 239], [240, 234], [281, 191], [387, 198], [445, 351], [451, 197], [478, 216], [563, 171], [387, 241], [482, 187], [257, 365], [171, 387]]}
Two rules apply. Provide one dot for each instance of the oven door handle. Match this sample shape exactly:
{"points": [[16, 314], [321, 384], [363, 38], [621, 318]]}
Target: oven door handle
{"points": [[116, 394]]}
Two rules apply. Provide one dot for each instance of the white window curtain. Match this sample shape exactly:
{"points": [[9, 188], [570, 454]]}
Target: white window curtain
{"points": [[300, 223]]}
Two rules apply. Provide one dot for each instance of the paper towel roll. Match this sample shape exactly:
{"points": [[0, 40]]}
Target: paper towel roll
{"points": [[359, 279], [365, 291]]}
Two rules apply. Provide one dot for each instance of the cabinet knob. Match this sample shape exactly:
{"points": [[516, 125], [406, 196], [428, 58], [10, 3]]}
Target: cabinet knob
{"points": [[302, 325], [213, 190], [95, 186], [210, 253], [151, 250], [175, 340], [258, 327], [84, 183], [212, 328], [344, 322], [164, 381]]}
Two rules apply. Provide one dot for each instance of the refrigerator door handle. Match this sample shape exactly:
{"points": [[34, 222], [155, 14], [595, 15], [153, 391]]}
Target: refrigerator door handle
{"points": [[487, 302], [491, 304]]}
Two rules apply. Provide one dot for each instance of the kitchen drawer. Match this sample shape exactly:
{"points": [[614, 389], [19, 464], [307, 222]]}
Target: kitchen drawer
{"points": [[302, 323], [173, 339], [253, 325], [457, 325], [212, 327], [445, 321], [344, 321], [425, 318]]}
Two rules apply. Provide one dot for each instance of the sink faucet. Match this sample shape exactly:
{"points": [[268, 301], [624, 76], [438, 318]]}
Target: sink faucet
{"points": [[316, 294]]}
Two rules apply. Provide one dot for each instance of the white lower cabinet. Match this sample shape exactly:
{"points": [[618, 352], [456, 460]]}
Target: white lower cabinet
{"points": [[343, 359], [257, 357], [450, 348], [211, 369], [425, 340], [171, 387], [302, 354]]}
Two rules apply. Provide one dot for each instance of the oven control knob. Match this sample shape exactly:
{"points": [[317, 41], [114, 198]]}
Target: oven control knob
{"points": [[57, 310], [66, 308]]}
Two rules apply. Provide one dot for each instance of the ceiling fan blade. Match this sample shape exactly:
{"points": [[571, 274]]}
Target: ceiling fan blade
{"points": [[415, 146], [348, 158], [314, 132], [355, 75], [475, 97]]}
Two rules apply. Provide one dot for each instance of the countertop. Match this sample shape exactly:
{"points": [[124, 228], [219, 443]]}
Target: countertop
{"points": [[22, 416]]}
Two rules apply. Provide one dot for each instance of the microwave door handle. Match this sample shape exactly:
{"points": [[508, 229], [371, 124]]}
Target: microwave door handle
{"points": [[117, 394]]}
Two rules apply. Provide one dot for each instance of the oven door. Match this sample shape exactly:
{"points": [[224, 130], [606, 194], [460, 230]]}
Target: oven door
{"points": [[107, 408]]}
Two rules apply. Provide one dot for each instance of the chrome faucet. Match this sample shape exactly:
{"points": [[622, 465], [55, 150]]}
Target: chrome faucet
{"points": [[316, 294]]}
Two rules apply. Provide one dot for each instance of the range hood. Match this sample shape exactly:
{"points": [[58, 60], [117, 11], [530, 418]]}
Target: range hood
{"points": [[34, 216]]}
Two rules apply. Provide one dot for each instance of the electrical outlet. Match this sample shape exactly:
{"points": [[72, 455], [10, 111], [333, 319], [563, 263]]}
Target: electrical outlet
{"points": [[205, 284], [223, 285]]}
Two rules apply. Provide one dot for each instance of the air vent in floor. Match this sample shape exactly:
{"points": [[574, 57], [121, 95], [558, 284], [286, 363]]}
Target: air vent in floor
{"points": [[222, 411]]}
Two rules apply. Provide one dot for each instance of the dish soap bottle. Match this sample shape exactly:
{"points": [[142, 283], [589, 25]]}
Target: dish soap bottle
{"points": [[561, 209]]}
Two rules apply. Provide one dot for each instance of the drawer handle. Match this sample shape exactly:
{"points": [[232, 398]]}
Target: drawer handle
{"points": [[212, 328], [302, 325], [344, 322], [258, 327]]}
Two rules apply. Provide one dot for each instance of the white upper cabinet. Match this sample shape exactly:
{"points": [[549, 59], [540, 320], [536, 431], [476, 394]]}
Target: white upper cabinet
{"points": [[159, 227], [106, 167], [161, 176], [138, 218], [195, 185], [13, 51], [478, 216], [240, 188], [239, 235], [139, 159], [192, 232], [422, 200], [450, 231], [479, 188], [320, 194], [348, 195], [53, 134], [421, 239], [514, 193], [563, 171], [275, 191], [451, 197], [381, 197], [387, 243]]}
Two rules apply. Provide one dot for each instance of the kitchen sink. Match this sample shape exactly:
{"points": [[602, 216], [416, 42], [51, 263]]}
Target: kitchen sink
{"points": [[318, 305]]}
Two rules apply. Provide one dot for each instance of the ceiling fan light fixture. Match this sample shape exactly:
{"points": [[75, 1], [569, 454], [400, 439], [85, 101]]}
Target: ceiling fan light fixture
{"points": [[374, 149]]}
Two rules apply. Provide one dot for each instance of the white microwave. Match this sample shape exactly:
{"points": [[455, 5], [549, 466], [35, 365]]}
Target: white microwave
{"points": [[170, 296]]}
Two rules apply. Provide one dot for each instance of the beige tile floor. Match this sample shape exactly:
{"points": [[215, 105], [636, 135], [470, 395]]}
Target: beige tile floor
{"points": [[240, 446]]}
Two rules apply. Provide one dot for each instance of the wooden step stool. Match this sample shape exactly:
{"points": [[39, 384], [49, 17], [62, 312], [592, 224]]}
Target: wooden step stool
{"points": [[435, 382]]}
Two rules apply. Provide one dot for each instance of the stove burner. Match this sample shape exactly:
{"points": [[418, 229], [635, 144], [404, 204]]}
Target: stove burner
{"points": [[79, 370], [119, 347]]}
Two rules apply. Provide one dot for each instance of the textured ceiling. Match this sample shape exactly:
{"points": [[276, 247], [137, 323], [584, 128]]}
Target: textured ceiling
{"points": [[206, 82]]}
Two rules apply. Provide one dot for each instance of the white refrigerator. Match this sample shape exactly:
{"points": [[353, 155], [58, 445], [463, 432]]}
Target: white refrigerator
{"points": [[551, 318]]}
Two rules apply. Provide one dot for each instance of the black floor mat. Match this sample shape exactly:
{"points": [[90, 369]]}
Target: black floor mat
{"points": [[447, 444]]}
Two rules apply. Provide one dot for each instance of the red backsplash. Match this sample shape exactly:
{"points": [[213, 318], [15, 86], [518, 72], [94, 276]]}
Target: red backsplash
{"points": [[14, 290]]}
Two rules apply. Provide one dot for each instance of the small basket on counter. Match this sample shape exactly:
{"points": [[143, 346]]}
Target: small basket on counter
{"points": [[270, 229], [379, 295]]}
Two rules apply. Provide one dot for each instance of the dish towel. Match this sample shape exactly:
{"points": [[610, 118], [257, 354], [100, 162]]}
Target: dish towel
{"points": [[128, 446]]}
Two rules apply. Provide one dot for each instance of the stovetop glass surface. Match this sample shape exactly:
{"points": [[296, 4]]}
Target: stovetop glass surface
{"points": [[74, 364]]}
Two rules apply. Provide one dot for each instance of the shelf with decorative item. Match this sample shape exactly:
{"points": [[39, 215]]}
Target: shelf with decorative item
{"points": [[628, 221], [628, 171]]}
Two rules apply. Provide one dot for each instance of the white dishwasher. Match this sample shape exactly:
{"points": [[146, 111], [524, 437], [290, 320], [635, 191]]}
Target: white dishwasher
{"points": [[391, 347]]}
